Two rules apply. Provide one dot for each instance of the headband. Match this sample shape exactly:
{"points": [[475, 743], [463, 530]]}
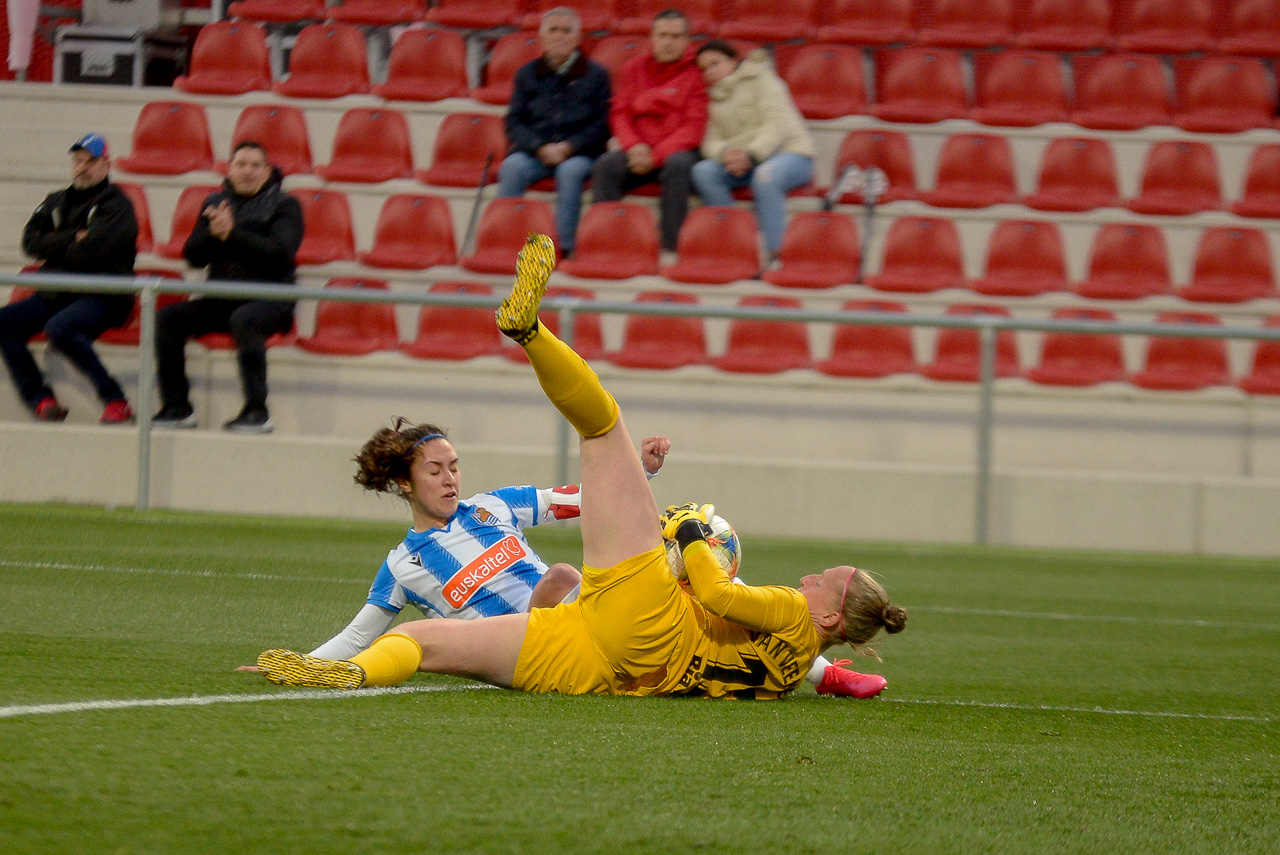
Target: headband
{"points": [[426, 438]]}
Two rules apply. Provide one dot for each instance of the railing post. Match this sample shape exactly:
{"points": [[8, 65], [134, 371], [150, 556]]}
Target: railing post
{"points": [[146, 375], [986, 393]]}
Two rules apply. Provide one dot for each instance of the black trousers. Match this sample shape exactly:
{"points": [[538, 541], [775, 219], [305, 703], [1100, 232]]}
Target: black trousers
{"points": [[250, 322], [611, 180], [72, 322]]}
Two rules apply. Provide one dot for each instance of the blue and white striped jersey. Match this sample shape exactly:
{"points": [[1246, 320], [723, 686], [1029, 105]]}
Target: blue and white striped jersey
{"points": [[480, 564]]}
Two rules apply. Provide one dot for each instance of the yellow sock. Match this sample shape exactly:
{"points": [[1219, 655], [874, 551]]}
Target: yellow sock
{"points": [[571, 385], [390, 660]]}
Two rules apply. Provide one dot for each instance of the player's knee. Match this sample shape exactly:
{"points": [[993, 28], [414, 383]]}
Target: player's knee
{"points": [[554, 586]]}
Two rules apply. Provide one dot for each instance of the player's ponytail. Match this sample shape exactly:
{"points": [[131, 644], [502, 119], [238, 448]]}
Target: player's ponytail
{"points": [[867, 609], [386, 458]]}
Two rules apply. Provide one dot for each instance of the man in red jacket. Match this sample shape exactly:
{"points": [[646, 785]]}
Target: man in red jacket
{"points": [[658, 116]]}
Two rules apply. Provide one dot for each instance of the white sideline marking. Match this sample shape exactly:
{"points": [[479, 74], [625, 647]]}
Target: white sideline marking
{"points": [[995, 705], [210, 700], [331, 694], [154, 571], [1209, 624]]}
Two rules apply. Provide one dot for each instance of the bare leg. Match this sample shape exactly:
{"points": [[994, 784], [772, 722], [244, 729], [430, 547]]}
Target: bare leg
{"points": [[554, 586], [619, 514], [484, 649]]}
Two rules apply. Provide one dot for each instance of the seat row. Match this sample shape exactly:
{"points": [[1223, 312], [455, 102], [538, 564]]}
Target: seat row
{"points": [[1161, 26], [1212, 94], [664, 343], [974, 170]]}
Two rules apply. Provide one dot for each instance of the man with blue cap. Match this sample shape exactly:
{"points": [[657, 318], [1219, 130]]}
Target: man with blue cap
{"points": [[87, 228]]}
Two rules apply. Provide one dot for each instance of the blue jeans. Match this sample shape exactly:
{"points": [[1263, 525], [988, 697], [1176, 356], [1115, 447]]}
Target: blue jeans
{"points": [[769, 182], [520, 169]]}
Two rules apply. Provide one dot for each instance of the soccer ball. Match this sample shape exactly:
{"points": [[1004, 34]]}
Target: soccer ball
{"points": [[724, 544]]}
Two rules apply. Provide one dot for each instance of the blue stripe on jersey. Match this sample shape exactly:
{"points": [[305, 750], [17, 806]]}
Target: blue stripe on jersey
{"points": [[380, 591], [523, 502]]}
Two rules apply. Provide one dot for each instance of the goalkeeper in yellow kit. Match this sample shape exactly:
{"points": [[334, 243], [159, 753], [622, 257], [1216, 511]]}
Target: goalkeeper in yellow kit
{"points": [[631, 630]]}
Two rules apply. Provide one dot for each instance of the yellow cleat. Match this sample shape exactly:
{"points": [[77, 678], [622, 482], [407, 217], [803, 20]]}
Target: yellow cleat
{"points": [[289, 668], [518, 314]]}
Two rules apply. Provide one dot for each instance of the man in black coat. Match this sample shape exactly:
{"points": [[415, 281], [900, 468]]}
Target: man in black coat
{"points": [[90, 227], [249, 230], [557, 121]]}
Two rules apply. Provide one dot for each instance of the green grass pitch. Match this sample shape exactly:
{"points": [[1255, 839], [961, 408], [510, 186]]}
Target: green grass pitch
{"points": [[1038, 702]]}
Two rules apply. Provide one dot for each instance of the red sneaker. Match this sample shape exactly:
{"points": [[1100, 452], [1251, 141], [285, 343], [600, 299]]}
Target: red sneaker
{"points": [[116, 412], [838, 680], [49, 410]]}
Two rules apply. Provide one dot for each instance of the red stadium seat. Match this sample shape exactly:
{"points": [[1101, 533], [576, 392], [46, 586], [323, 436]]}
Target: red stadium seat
{"points": [[378, 13], [1231, 266], [1127, 262], [130, 333], [353, 329], [1264, 375], [767, 20], [282, 131], [958, 352], [865, 350], [974, 171], [661, 342], [588, 337], [138, 197], [327, 61], [425, 65], [969, 24], [413, 233], [1077, 358], [278, 11], [826, 81], [1024, 258], [1021, 88], [595, 15], [228, 58], [1076, 174], [612, 52], [473, 14], [455, 332], [1261, 184], [1167, 26], [509, 53], [765, 346], [888, 150], [185, 214], [865, 22], [504, 226], [636, 16], [820, 249], [465, 143], [921, 254], [616, 240], [717, 245], [1253, 29], [169, 138], [370, 145], [919, 84], [1184, 364], [1178, 177], [224, 341], [1224, 95], [328, 235], [1066, 25], [1121, 92]]}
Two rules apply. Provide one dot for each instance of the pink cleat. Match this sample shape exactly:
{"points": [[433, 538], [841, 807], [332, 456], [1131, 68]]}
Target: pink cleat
{"points": [[840, 681]]}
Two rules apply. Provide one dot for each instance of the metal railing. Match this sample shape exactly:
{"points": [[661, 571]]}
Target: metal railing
{"points": [[987, 326]]}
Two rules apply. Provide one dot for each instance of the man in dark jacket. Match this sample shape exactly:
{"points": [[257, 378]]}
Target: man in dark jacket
{"points": [[250, 230], [557, 120], [90, 227]]}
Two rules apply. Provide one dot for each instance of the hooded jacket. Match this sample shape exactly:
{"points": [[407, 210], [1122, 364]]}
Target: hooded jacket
{"points": [[751, 109], [263, 242], [661, 104]]}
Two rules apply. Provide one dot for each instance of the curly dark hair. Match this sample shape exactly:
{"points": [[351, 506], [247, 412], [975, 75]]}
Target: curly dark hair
{"points": [[385, 459]]}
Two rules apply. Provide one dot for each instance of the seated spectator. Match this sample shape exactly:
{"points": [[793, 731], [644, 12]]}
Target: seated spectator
{"points": [[89, 227], [250, 231], [658, 118], [755, 137], [557, 121]]}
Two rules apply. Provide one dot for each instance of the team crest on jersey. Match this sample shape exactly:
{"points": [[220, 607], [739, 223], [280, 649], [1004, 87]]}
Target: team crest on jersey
{"points": [[484, 517]]}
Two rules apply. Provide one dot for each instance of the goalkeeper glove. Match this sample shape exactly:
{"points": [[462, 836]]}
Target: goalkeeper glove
{"points": [[687, 523]]}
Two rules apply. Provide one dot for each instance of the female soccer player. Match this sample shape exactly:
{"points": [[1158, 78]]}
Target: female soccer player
{"points": [[631, 630]]}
